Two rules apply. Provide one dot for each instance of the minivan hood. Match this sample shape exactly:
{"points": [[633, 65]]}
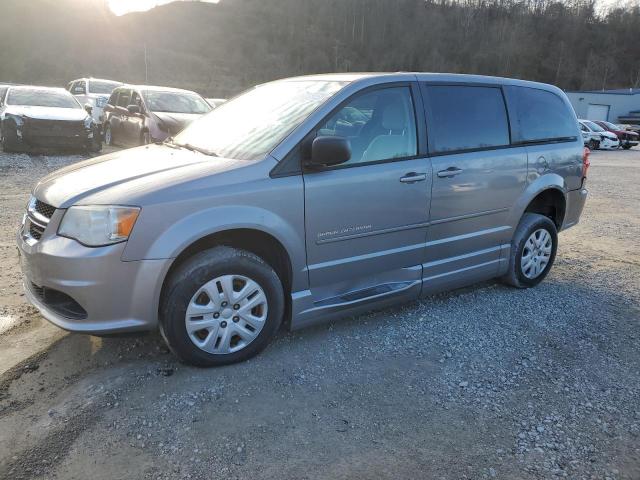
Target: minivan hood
{"points": [[47, 113], [118, 177]]}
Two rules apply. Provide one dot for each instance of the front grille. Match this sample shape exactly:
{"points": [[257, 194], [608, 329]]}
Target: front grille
{"points": [[53, 128], [59, 302], [44, 209], [38, 216], [35, 231]]}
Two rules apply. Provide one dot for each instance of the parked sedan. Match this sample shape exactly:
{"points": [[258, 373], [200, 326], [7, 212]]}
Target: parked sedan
{"points": [[142, 115], [627, 138], [608, 140], [43, 117], [94, 92]]}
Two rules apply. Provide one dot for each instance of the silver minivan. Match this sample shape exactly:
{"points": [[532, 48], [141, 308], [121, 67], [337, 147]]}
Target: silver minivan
{"points": [[307, 199]]}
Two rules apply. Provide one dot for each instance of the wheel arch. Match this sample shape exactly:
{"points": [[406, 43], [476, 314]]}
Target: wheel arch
{"points": [[256, 241], [550, 202], [545, 195]]}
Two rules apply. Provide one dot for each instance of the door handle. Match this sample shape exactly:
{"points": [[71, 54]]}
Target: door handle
{"points": [[449, 172], [413, 177]]}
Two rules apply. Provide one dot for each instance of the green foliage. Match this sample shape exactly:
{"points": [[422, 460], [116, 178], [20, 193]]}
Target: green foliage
{"points": [[221, 49]]}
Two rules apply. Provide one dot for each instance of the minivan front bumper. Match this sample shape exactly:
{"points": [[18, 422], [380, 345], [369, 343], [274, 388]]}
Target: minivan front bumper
{"points": [[90, 290]]}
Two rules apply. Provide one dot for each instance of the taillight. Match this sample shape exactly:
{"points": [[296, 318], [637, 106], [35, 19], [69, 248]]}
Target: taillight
{"points": [[586, 163]]}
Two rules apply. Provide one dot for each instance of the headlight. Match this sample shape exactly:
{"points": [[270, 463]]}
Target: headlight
{"points": [[98, 225]]}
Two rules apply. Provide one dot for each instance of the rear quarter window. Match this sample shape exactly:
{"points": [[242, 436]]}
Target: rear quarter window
{"points": [[466, 118], [541, 115]]}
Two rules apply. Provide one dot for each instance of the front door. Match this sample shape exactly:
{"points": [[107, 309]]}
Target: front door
{"points": [[477, 178], [366, 220]]}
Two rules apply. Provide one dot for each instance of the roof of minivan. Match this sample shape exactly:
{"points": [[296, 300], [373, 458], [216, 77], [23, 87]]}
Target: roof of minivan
{"points": [[423, 76]]}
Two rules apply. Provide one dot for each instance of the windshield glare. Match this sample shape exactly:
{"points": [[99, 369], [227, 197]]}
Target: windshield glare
{"points": [[595, 127], [42, 98], [175, 102], [251, 125], [102, 86]]}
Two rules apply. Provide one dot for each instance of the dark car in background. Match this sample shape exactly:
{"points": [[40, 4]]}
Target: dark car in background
{"points": [[138, 115], [627, 138], [44, 117]]}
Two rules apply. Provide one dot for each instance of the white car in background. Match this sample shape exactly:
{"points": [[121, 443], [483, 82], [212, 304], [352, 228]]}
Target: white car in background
{"points": [[94, 92], [600, 138]]}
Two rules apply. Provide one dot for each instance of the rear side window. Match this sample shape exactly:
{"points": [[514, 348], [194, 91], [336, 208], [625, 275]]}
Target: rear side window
{"points": [[467, 118], [123, 98], [541, 115]]}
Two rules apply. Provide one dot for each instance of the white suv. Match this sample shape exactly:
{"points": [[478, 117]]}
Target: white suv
{"points": [[94, 92]]}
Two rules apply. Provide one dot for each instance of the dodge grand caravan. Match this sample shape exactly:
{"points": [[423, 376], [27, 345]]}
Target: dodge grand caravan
{"points": [[305, 199]]}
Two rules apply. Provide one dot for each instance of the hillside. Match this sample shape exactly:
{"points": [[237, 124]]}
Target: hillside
{"points": [[219, 49]]}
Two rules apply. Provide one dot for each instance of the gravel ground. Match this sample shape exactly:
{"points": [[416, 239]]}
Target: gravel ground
{"points": [[484, 382]]}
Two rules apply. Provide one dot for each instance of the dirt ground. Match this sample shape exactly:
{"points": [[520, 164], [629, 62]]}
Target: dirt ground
{"points": [[485, 382]]}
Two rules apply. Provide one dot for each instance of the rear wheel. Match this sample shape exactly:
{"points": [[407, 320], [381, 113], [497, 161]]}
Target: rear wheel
{"points": [[221, 306], [533, 250]]}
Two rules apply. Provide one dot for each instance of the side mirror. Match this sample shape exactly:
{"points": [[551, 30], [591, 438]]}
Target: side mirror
{"points": [[88, 108], [134, 109], [329, 150]]}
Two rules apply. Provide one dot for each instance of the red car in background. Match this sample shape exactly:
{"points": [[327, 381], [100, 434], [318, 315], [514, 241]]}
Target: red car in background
{"points": [[627, 138]]}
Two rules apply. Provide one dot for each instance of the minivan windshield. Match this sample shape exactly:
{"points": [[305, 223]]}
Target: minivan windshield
{"points": [[175, 102], [103, 87], [252, 124], [594, 126], [37, 97]]}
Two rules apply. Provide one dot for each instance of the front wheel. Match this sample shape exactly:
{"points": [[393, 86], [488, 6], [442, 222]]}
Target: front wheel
{"points": [[108, 135], [221, 306], [9, 138], [593, 145], [626, 146], [533, 250]]}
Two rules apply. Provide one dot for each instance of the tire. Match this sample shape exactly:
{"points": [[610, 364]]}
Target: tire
{"points": [[593, 145], [626, 147], [108, 138], [188, 300], [95, 145], [530, 225], [9, 136]]}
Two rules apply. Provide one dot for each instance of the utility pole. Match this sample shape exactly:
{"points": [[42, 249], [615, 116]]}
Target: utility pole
{"points": [[146, 65]]}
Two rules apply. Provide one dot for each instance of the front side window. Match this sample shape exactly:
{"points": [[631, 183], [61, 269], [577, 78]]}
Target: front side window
{"points": [[542, 115], [175, 102], [124, 97], [380, 125], [252, 124], [467, 118], [35, 97]]}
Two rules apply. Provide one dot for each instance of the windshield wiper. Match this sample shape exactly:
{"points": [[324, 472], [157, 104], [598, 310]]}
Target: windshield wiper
{"points": [[193, 148], [169, 142]]}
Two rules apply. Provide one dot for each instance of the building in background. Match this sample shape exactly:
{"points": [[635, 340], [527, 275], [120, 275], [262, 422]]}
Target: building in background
{"points": [[617, 106]]}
